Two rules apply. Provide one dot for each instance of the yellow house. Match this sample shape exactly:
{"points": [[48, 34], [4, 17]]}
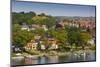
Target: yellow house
{"points": [[31, 45]]}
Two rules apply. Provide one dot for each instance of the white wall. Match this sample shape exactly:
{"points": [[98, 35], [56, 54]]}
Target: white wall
{"points": [[5, 33]]}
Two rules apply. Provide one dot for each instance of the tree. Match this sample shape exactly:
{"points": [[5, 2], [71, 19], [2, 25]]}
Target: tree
{"points": [[32, 14], [73, 36], [39, 32], [16, 27], [59, 35], [42, 14], [44, 20], [20, 37], [85, 37], [51, 21], [40, 19], [21, 17]]}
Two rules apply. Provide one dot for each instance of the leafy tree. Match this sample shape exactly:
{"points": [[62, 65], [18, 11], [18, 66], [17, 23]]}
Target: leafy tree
{"points": [[73, 36], [20, 37], [51, 21], [44, 20], [39, 19], [85, 37], [16, 27], [39, 32], [42, 14], [21, 17], [60, 35]]}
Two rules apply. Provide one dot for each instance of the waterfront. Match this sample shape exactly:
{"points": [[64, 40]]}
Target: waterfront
{"points": [[72, 57]]}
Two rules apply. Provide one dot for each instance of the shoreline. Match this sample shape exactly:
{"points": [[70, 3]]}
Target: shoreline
{"points": [[25, 55]]}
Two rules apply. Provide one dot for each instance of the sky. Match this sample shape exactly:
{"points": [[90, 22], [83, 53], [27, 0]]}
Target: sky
{"points": [[54, 9]]}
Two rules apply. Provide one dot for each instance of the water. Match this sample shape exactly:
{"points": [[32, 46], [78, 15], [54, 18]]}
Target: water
{"points": [[72, 57]]}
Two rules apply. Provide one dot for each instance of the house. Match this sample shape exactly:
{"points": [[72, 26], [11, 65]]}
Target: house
{"points": [[43, 47], [31, 28], [25, 27], [53, 43], [16, 49], [31, 45], [34, 43], [87, 24], [69, 23], [37, 37], [92, 41], [38, 43], [44, 27], [59, 26], [35, 26]]}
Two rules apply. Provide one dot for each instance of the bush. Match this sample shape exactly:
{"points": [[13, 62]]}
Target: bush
{"points": [[64, 48], [93, 47], [67, 48], [33, 52]]}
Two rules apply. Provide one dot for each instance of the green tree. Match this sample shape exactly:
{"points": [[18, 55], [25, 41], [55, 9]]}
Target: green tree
{"points": [[21, 17], [73, 36], [85, 37], [20, 37], [39, 32], [59, 35], [44, 20]]}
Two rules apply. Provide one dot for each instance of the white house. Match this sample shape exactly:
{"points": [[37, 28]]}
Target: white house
{"points": [[44, 27], [25, 27], [92, 42]]}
